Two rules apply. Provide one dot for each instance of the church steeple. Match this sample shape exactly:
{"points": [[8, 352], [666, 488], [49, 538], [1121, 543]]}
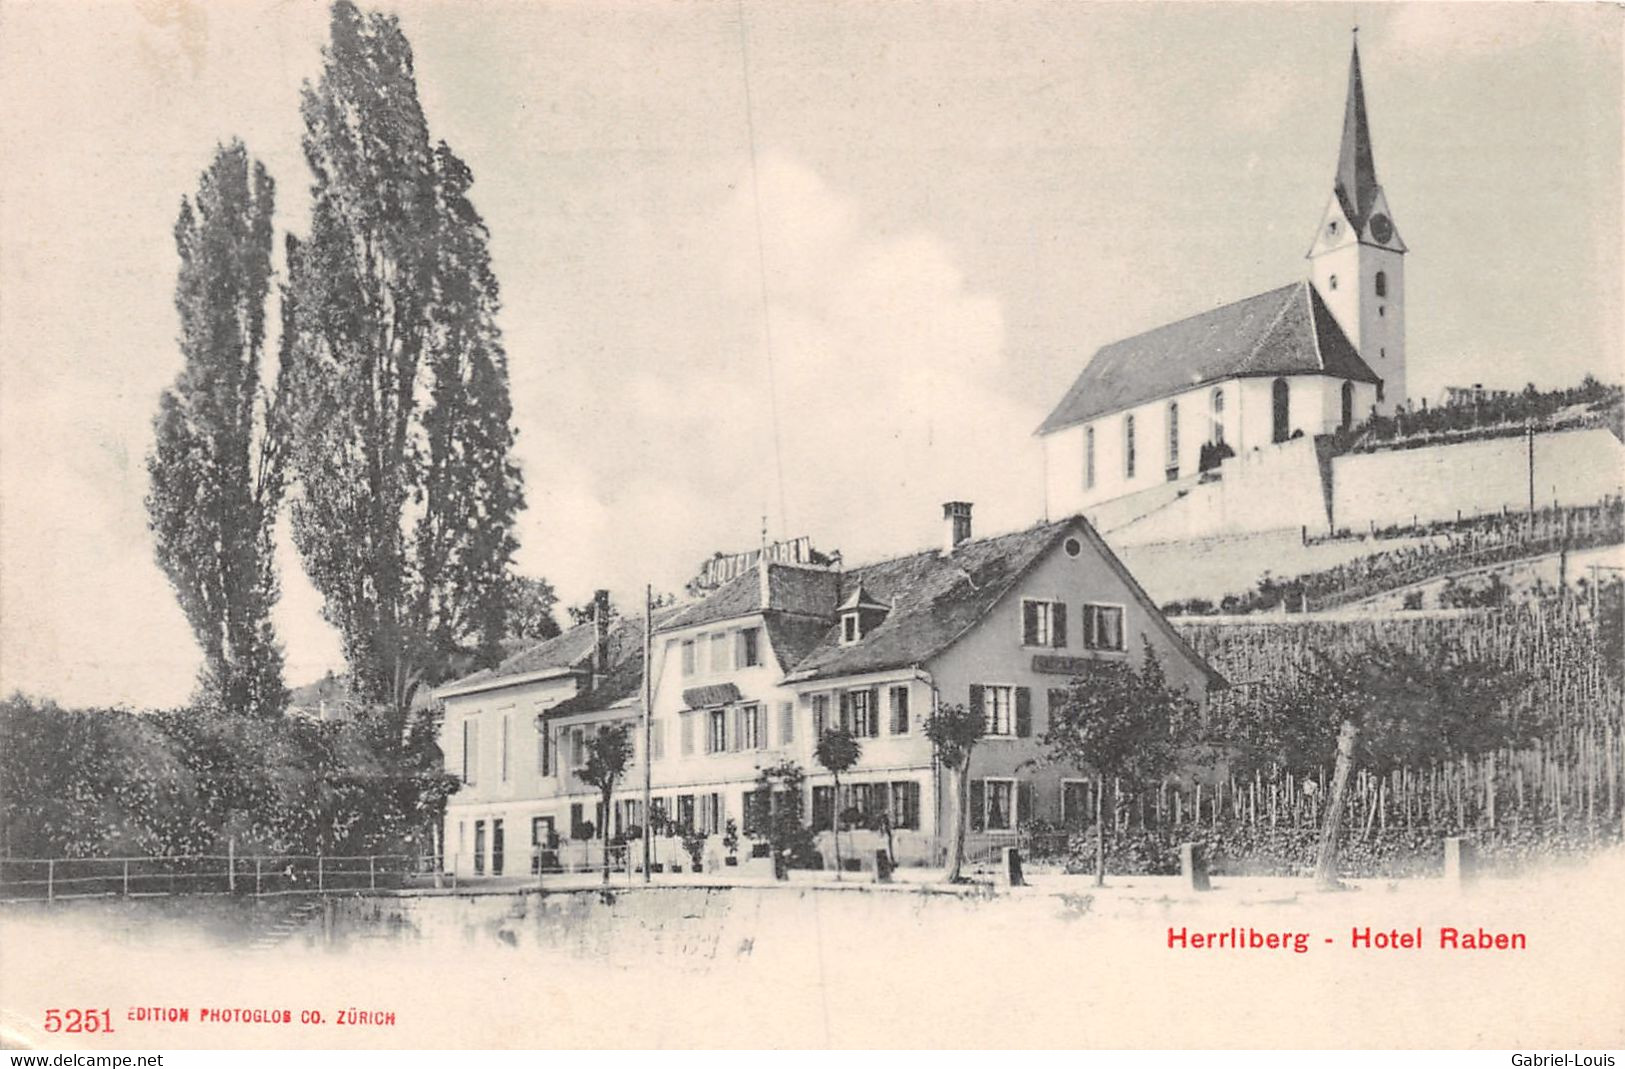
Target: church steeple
{"points": [[1356, 260], [1356, 185]]}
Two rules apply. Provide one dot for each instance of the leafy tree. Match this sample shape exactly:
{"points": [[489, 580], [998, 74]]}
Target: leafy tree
{"points": [[954, 732], [838, 751], [217, 466], [1383, 708], [1121, 725], [531, 600], [408, 493], [608, 754], [777, 816]]}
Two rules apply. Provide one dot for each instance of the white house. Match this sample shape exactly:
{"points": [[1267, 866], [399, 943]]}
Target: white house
{"points": [[749, 676]]}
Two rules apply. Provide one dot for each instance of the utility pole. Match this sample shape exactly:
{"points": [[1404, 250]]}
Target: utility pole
{"points": [[1529, 437], [648, 701]]}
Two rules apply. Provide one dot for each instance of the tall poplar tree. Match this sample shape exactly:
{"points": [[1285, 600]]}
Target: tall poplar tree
{"points": [[216, 469], [407, 489]]}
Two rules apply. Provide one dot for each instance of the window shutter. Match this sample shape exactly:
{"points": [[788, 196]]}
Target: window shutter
{"points": [[688, 733], [978, 705], [1024, 802], [787, 723], [911, 795], [1024, 712], [1029, 623], [760, 713], [846, 711], [1058, 625], [978, 802], [874, 712]]}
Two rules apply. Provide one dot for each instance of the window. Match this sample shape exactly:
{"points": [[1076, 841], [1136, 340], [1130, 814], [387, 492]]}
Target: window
{"points": [[905, 805], [1218, 417], [1382, 310], [1077, 802], [1283, 421], [688, 657], [1001, 804], [504, 748], [750, 654], [823, 807], [1381, 282], [1348, 405], [999, 709], [471, 751], [1379, 389], [1043, 623], [1128, 447], [1073, 547], [849, 628], [719, 652], [899, 710], [1088, 458], [820, 715], [496, 848], [479, 848], [862, 718], [716, 738], [1331, 228], [1173, 441], [711, 815], [1103, 627], [787, 723], [750, 732], [685, 812]]}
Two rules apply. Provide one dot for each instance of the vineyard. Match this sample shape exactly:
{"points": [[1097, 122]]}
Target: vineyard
{"points": [[1450, 547], [1563, 795]]}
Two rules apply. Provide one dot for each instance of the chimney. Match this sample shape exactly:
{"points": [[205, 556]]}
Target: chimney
{"points": [[956, 524], [600, 624]]}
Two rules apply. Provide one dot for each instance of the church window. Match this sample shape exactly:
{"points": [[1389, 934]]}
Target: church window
{"points": [[1128, 447], [1331, 228], [1383, 352], [1283, 421], [1382, 309], [1173, 441], [1348, 405], [1382, 283], [1333, 282], [1218, 417], [1088, 458], [1379, 389]]}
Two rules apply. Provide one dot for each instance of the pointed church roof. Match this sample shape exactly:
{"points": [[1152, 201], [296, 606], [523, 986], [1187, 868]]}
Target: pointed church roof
{"points": [[1287, 331], [1356, 184]]}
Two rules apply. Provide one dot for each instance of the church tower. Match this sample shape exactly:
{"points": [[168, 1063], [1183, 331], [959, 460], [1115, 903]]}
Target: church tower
{"points": [[1357, 259]]}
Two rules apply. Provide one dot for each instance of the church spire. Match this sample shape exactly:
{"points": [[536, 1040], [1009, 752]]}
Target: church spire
{"points": [[1356, 184]]}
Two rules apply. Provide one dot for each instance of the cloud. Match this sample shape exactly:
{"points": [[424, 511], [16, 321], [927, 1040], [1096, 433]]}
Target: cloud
{"points": [[889, 382]]}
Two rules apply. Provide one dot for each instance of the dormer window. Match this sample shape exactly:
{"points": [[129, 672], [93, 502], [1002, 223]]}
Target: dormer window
{"points": [[860, 613]]}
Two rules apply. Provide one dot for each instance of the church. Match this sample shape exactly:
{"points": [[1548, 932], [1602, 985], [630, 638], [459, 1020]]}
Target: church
{"points": [[1155, 411]]}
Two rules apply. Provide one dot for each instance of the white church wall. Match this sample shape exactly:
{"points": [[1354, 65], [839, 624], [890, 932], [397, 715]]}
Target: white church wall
{"points": [[1278, 486], [1435, 483]]}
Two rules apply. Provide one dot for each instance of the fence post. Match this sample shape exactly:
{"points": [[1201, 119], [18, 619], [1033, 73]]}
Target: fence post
{"points": [[126, 877], [321, 883], [372, 874], [50, 881], [231, 864], [256, 877]]}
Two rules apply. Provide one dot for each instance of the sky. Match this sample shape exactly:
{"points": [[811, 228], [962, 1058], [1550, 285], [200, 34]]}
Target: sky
{"points": [[824, 263]]}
